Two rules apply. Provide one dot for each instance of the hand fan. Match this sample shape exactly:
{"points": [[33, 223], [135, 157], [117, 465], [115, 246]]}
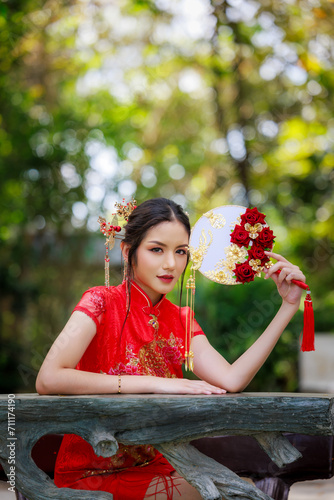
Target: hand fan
{"points": [[227, 245]]}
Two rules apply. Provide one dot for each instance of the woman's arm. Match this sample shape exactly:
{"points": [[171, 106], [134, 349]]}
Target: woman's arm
{"points": [[209, 365], [59, 376]]}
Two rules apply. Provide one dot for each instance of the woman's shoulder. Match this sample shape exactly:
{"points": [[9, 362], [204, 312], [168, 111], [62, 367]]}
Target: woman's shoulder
{"points": [[97, 298], [104, 291]]}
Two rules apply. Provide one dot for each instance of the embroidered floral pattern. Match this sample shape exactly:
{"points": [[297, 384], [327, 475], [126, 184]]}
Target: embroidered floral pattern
{"points": [[126, 456], [98, 301], [216, 220], [154, 358], [197, 254]]}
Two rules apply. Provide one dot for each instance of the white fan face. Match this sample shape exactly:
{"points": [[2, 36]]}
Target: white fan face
{"points": [[211, 250], [210, 243]]}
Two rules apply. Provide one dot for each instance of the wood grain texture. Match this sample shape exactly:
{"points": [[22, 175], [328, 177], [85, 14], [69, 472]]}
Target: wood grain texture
{"points": [[212, 480], [166, 422]]}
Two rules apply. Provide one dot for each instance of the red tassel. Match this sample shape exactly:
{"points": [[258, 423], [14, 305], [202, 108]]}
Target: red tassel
{"points": [[308, 331]]}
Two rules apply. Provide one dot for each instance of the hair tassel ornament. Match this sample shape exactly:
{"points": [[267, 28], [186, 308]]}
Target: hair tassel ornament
{"points": [[111, 229], [191, 288]]}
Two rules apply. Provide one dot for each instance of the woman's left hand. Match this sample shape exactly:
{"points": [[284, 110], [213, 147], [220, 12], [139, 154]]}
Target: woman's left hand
{"points": [[289, 292]]}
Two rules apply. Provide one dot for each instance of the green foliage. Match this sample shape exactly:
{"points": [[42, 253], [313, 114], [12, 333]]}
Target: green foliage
{"points": [[234, 317], [100, 100]]}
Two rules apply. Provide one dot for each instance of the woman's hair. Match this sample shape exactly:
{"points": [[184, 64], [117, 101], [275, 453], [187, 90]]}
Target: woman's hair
{"points": [[147, 215]]}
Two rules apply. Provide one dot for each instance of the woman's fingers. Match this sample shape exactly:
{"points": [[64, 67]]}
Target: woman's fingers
{"points": [[287, 270], [276, 256], [282, 273], [201, 387], [295, 275], [185, 386]]}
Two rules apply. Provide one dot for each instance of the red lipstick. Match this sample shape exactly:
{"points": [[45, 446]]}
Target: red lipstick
{"points": [[166, 278]]}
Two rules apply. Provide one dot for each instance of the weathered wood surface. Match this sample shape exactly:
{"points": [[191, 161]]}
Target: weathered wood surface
{"points": [[168, 422], [211, 479]]}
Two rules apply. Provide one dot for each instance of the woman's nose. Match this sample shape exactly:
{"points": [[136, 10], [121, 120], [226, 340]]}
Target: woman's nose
{"points": [[169, 261]]}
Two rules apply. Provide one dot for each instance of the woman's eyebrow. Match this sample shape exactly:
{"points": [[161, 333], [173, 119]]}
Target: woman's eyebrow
{"points": [[164, 244]]}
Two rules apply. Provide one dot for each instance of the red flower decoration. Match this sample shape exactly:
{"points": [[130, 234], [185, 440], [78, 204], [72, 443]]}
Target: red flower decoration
{"points": [[266, 238], [243, 273], [240, 236], [252, 216], [257, 252], [256, 246]]}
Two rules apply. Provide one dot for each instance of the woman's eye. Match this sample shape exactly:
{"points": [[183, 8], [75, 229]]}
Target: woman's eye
{"points": [[157, 249], [182, 252]]}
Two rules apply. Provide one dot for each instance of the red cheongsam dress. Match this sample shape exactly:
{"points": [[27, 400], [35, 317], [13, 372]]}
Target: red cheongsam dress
{"points": [[150, 342]]}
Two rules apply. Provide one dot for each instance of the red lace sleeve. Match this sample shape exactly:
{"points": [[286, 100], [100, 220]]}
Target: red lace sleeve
{"points": [[93, 304]]}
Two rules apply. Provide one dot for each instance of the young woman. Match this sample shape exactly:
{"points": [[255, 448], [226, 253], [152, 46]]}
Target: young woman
{"points": [[130, 339]]}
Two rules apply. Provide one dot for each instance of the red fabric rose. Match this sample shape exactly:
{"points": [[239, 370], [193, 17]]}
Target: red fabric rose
{"points": [[243, 272], [240, 236], [257, 252], [266, 238], [252, 216]]}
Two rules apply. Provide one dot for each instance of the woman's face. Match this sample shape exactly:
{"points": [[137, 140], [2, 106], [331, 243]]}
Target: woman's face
{"points": [[161, 259]]}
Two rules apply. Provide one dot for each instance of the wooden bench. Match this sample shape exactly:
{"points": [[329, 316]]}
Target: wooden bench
{"points": [[170, 423]]}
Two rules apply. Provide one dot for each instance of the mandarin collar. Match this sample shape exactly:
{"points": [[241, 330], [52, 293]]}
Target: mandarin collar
{"points": [[143, 300]]}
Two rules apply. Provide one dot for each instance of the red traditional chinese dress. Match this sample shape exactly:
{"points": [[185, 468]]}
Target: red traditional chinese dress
{"points": [[151, 343]]}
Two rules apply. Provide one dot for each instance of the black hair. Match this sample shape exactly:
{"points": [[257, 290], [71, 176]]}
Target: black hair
{"points": [[145, 216]]}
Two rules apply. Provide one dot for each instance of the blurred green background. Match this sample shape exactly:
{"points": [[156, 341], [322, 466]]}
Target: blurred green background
{"points": [[207, 103]]}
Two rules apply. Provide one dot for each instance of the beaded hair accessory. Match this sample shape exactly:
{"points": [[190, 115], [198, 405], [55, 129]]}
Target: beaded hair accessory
{"points": [[111, 229], [227, 245]]}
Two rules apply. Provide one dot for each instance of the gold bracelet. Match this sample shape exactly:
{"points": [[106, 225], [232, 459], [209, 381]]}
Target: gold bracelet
{"points": [[119, 384]]}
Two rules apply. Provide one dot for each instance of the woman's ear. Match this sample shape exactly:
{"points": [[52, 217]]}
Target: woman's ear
{"points": [[125, 247]]}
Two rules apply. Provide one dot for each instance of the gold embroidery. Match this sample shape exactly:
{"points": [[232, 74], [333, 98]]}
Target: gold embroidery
{"points": [[197, 254], [234, 254], [154, 322], [223, 272], [256, 266], [126, 456], [253, 231], [156, 358], [236, 222], [152, 356], [216, 220], [220, 276]]}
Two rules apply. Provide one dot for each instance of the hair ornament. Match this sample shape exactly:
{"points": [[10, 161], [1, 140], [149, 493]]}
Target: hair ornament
{"points": [[227, 245], [111, 229], [124, 211]]}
